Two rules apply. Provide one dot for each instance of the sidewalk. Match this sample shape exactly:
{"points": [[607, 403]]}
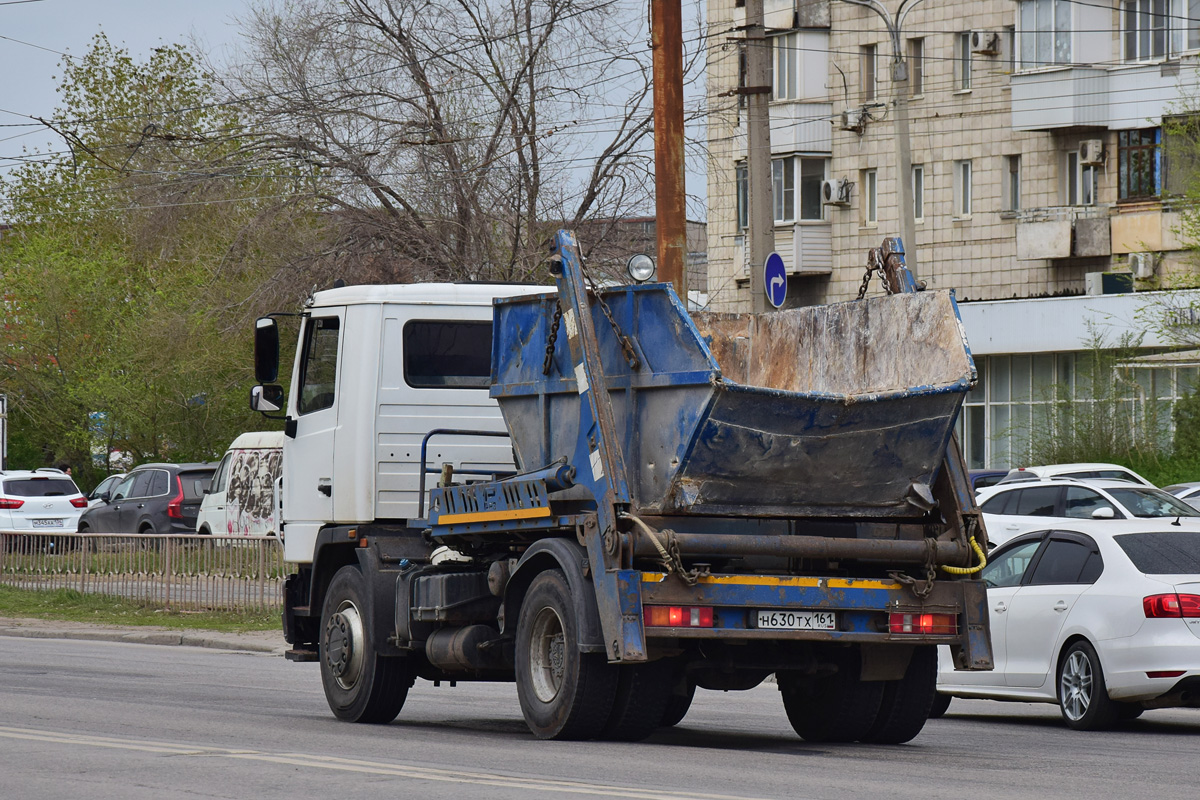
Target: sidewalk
{"points": [[260, 642]]}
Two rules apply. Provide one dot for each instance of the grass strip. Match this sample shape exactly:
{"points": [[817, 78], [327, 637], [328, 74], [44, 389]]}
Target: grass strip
{"points": [[73, 606]]}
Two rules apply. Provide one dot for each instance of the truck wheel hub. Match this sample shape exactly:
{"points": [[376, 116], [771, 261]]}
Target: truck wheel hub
{"points": [[344, 644]]}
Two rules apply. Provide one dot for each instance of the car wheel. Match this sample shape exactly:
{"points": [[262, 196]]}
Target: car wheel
{"points": [[360, 684], [564, 694], [1082, 696]]}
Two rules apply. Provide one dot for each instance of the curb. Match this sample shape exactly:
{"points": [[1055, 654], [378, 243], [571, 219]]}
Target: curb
{"points": [[206, 639]]}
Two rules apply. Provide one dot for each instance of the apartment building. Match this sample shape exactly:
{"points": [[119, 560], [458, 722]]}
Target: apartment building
{"points": [[1037, 166]]}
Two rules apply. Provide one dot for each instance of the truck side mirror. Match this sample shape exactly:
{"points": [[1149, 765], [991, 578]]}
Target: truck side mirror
{"points": [[266, 350], [266, 398]]}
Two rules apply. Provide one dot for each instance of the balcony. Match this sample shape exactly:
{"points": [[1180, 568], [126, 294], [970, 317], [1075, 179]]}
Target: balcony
{"points": [[1116, 98], [1063, 232]]}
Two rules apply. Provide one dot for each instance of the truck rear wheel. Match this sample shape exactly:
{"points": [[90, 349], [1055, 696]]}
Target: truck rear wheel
{"points": [[643, 691], [360, 685], [564, 694], [907, 702], [678, 703], [837, 708]]}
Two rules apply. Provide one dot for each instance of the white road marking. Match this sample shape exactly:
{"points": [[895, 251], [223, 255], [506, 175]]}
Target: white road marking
{"points": [[364, 767]]}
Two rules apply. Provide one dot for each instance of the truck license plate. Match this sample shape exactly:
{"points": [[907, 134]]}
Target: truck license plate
{"points": [[774, 619], [47, 523]]}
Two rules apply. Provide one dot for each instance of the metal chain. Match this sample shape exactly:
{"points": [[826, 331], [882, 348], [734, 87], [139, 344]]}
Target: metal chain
{"points": [[626, 345], [552, 338], [874, 265]]}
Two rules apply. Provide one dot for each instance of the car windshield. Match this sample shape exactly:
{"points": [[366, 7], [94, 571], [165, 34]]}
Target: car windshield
{"points": [[1151, 503], [1163, 553], [40, 487]]}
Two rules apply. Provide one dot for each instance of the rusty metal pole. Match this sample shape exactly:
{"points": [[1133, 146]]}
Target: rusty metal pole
{"points": [[666, 39]]}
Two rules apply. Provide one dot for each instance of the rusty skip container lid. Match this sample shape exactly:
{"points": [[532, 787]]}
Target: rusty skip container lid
{"points": [[823, 411]]}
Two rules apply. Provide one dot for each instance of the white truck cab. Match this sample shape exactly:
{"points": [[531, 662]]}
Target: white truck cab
{"points": [[379, 367]]}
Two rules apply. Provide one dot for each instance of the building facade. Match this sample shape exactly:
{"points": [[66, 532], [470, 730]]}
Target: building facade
{"points": [[1037, 167]]}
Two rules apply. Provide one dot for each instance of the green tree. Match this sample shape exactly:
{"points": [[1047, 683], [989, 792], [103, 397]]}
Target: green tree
{"points": [[136, 259]]}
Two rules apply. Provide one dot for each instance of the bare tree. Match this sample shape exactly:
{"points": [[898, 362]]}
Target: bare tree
{"points": [[451, 135]]}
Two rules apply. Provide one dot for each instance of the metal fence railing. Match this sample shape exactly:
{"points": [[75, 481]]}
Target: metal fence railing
{"points": [[189, 572]]}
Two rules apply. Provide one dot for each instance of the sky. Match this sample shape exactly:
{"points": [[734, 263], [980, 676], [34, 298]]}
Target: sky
{"points": [[35, 33]]}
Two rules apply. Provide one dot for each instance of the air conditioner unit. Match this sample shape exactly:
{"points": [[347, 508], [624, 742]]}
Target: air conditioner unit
{"points": [[1091, 152], [852, 120], [1143, 265], [835, 192], [985, 43]]}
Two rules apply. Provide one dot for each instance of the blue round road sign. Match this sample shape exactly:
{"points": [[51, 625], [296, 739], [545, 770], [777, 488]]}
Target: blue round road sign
{"points": [[775, 280]]}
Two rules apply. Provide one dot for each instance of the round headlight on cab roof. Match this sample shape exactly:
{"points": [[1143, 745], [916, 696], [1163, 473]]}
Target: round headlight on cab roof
{"points": [[640, 267]]}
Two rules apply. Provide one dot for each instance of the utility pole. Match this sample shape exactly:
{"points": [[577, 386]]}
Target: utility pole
{"points": [[670, 199], [758, 151], [904, 193]]}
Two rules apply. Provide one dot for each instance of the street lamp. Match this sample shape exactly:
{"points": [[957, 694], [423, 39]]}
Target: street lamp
{"points": [[903, 146]]}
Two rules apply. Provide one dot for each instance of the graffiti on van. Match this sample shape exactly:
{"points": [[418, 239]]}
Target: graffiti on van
{"points": [[250, 496]]}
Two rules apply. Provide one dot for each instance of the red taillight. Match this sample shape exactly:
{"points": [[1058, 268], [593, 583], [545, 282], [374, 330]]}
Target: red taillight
{"points": [[1171, 605], [930, 624], [79, 502], [678, 616], [6, 502], [175, 507]]}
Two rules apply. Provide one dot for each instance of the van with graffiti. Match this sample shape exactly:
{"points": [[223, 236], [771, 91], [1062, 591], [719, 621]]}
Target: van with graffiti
{"points": [[241, 500]]}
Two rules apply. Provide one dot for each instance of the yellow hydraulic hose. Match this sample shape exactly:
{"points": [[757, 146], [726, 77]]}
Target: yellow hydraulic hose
{"points": [[969, 570]]}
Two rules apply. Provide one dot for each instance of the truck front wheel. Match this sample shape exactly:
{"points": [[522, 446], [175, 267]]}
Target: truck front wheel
{"points": [[360, 685], [564, 694]]}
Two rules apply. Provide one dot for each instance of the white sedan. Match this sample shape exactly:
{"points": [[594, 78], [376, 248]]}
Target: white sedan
{"points": [[1100, 617]]}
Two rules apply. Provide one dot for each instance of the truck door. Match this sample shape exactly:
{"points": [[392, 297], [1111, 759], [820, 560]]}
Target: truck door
{"points": [[308, 458]]}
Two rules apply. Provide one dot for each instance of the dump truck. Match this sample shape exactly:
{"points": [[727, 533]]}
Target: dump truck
{"points": [[614, 502]]}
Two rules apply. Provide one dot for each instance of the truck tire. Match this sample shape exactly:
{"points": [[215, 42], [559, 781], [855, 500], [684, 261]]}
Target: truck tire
{"points": [[641, 702], [564, 694], [907, 702], [360, 685], [678, 703], [941, 704], [837, 708]]}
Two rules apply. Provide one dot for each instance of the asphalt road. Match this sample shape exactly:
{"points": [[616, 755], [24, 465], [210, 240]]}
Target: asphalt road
{"points": [[83, 719]]}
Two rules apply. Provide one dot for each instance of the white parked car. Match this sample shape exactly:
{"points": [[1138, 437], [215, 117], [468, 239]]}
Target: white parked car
{"points": [[1187, 492], [38, 501], [1083, 471], [1100, 617], [241, 499], [1010, 509]]}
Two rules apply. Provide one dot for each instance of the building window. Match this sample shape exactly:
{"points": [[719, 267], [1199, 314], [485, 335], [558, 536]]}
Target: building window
{"points": [[1181, 152], [742, 173], [785, 80], [1045, 32], [962, 66], [1144, 25], [870, 197], [869, 61], [1138, 163], [783, 180], [918, 190], [916, 66], [743, 71], [1081, 181], [812, 173], [962, 189], [1012, 183]]}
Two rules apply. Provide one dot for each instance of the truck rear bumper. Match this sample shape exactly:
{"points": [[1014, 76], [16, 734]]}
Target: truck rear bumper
{"points": [[863, 608]]}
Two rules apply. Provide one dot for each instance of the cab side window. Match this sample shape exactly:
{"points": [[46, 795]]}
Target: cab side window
{"points": [[318, 372]]}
